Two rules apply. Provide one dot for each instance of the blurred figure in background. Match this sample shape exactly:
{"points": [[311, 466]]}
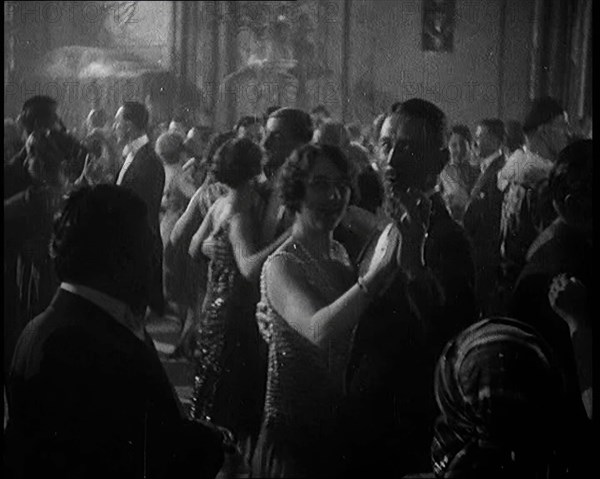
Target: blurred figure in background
{"points": [[38, 113], [97, 118], [515, 137], [179, 187], [194, 145], [565, 248], [268, 112], [331, 133], [482, 216], [102, 162], [30, 214], [13, 142], [319, 115], [249, 127], [178, 126], [370, 187], [458, 176], [526, 210]]}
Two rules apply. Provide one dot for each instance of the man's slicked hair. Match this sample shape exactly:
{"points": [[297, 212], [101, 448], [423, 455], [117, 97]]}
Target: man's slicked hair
{"points": [[136, 113], [299, 123], [495, 127], [432, 119], [38, 111]]}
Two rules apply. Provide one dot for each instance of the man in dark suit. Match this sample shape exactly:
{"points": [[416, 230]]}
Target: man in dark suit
{"points": [[482, 216], [38, 113], [143, 173], [566, 248], [389, 411], [286, 129], [88, 396]]}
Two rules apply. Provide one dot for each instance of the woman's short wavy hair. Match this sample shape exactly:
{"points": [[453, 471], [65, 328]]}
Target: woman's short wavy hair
{"points": [[236, 162], [296, 171]]}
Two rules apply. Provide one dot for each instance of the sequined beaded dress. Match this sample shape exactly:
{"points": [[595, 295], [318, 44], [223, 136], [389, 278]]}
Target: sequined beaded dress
{"points": [[304, 384], [229, 380]]}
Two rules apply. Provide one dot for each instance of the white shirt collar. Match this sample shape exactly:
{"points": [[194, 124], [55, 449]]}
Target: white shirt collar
{"points": [[129, 152], [132, 147], [112, 306], [485, 163]]}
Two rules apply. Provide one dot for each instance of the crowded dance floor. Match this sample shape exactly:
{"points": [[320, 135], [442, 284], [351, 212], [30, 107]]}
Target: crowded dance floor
{"points": [[297, 239]]}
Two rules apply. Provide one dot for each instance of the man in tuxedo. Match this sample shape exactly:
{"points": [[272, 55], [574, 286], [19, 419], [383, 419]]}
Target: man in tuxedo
{"points": [[143, 173], [87, 394], [286, 129], [389, 411], [482, 216]]}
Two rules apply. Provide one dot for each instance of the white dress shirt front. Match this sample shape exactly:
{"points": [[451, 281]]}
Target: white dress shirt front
{"points": [[486, 162], [129, 153]]}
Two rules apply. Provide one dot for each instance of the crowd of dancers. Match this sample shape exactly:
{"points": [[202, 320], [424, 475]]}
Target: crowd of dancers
{"points": [[355, 300]]}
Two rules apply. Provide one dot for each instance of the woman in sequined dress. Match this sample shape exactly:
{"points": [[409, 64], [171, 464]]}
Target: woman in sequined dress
{"points": [[310, 303], [229, 382]]}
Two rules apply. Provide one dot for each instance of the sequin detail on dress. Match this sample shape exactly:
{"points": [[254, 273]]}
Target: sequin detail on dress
{"points": [[305, 381]]}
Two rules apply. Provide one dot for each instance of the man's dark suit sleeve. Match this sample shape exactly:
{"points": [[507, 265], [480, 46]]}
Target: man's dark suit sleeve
{"points": [[148, 181], [146, 177]]}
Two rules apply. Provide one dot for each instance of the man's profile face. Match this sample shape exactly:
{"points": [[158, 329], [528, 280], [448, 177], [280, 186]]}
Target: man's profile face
{"points": [[121, 127], [253, 132], [559, 132], [486, 144], [409, 165], [387, 138], [278, 143]]}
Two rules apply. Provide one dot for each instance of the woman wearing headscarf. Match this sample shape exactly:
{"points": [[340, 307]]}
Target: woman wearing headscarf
{"points": [[500, 396]]}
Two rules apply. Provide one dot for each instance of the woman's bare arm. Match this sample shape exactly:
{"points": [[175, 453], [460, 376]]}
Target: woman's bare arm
{"points": [[303, 307], [249, 257], [204, 231]]}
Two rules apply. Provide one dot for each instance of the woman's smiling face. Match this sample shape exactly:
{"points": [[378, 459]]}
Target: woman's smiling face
{"points": [[327, 195]]}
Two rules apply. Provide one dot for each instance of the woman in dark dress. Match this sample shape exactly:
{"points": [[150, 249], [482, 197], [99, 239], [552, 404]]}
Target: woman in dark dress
{"points": [[185, 283], [229, 355], [30, 214]]}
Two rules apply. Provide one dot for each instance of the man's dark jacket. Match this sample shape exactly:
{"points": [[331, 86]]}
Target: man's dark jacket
{"points": [[87, 398], [146, 177], [389, 411]]}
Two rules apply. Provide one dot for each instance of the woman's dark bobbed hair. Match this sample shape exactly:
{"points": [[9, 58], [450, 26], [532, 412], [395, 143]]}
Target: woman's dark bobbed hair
{"points": [[296, 171], [237, 161]]}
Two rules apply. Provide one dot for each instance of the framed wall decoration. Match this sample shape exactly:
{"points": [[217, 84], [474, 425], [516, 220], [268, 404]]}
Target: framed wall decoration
{"points": [[438, 25]]}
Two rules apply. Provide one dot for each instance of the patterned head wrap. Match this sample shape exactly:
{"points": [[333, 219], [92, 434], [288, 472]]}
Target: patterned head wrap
{"points": [[499, 393]]}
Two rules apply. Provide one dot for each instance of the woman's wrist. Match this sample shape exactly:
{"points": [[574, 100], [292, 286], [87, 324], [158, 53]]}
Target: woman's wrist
{"points": [[366, 286]]}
